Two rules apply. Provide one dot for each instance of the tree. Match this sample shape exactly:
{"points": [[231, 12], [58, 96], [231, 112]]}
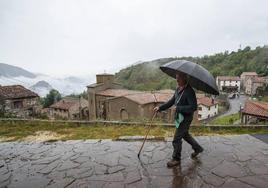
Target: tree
{"points": [[148, 76], [84, 95], [52, 97]]}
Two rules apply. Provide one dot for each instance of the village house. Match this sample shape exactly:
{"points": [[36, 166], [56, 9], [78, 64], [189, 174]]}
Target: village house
{"points": [[96, 98], [16, 100], [253, 83], [228, 83], [254, 112], [139, 105], [69, 108], [207, 108], [110, 101], [246, 75]]}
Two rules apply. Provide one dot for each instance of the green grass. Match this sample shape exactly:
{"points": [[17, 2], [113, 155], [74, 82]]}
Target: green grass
{"points": [[19, 130], [200, 131], [265, 99], [11, 130], [226, 120]]}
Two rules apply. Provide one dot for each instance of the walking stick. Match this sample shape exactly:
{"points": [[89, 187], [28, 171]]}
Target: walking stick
{"points": [[147, 134]]}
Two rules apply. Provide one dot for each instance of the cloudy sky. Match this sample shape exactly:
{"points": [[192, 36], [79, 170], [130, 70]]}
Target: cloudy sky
{"points": [[79, 37]]}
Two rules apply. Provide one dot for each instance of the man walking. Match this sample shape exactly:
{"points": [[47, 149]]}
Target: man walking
{"points": [[185, 101]]}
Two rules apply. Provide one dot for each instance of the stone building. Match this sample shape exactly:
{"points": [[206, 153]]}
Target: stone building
{"points": [[16, 100], [254, 112], [69, 108], [253, 83], [97, 95], [110, 101], [245, 76], [139, 105]]}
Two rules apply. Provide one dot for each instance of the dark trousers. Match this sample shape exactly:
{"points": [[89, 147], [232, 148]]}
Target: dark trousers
{"points": [[183, 133]]}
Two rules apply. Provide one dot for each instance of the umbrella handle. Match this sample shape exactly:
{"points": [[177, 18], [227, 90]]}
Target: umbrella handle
{"points": [[148, 130]]}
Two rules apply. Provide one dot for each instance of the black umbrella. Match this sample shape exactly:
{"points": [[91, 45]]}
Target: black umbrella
{"points": [[199, 77]]}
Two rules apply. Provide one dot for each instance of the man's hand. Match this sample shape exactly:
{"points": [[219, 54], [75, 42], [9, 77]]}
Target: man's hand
{"points": [[156, 109]]}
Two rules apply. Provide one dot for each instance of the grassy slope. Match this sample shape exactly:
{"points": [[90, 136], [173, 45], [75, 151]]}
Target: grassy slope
{"points": [[148, 76], [226, 120], [19, 130]]}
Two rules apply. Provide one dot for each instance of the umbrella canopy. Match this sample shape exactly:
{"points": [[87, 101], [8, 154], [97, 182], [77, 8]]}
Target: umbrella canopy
{"points": [[199, 77]]}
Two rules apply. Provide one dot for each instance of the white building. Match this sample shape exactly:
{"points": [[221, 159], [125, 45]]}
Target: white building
{"points": [[228, 83], [207, 108]]}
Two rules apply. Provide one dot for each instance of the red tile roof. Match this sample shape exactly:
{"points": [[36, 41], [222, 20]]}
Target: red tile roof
{"points": [[206, 101], [256, 108], [148, 97], [15, 92], [117, 92], [65, 103], [229, 78], [249, 74], [95, 85]]}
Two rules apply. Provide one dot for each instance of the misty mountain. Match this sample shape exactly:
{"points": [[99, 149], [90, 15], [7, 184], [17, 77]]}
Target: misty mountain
{"points": [[73, 79], [13, 71], [41, 87], [41, 83]]}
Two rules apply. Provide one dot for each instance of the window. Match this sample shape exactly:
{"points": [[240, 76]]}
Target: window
{"points": [[199, 116], [209, 108], [200, 108], [18, 104]]}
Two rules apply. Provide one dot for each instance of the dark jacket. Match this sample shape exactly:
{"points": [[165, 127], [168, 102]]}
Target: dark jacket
{"points": [[187, 104]]}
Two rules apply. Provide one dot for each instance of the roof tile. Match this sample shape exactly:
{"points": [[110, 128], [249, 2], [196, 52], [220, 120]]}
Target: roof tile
{"points": [[257, 108], [16, 91]]}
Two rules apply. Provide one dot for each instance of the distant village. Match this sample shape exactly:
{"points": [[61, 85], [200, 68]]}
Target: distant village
{"points": [[110, 101]]}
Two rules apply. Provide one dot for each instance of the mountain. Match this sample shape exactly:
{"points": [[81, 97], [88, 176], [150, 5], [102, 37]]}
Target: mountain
{"points": [[13, 71], [41, 83], [41, 87], [73, 79], [148, 76]]}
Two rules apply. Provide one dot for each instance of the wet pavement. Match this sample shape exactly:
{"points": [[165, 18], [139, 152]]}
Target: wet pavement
{"points": [[235, 105], [228, 161], [262, 137]]}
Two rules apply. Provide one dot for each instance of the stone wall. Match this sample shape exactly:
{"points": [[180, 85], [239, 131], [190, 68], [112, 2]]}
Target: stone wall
{"points": [[20, 107]]}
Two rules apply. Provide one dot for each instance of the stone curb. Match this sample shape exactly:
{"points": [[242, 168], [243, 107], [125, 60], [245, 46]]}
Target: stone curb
{"points": [[128, 123]]}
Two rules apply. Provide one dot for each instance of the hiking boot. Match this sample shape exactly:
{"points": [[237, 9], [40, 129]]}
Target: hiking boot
{"points": [[196, 152], [173, 163]]}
